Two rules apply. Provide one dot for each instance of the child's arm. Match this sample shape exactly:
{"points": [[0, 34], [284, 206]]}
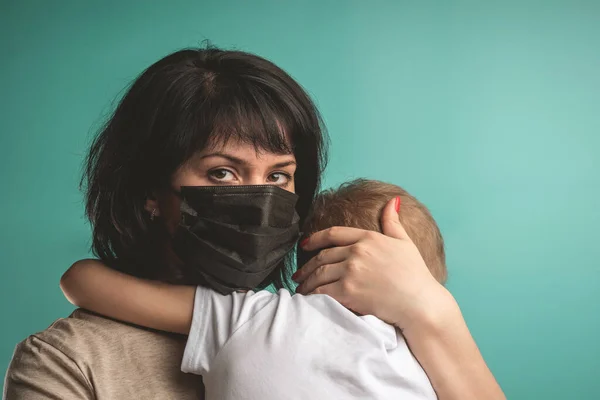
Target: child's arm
{"points": [[92, 285]]}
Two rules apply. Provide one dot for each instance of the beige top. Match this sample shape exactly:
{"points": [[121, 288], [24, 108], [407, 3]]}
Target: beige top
{"points": [[87, 356]]}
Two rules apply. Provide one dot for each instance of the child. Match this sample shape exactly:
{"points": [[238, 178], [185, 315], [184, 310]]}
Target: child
{"points": [[278, 346]]}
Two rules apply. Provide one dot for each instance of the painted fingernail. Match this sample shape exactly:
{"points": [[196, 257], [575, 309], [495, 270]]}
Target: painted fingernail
{"points": [[304, 242], [295, 276], [397, 203]]}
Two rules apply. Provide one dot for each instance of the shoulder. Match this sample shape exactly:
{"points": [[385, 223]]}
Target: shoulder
{"points": [[46, 361], [89, 356], [84, 335], [321, 302]]}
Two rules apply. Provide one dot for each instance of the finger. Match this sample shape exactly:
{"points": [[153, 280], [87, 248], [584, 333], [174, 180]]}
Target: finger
{"points": [[332, 255], [323, 275], [334, 236], [390, 221]]}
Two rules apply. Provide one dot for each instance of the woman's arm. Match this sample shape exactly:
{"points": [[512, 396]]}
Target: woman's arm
{"points": [[384, 275], [440, 339], [92, 285]]}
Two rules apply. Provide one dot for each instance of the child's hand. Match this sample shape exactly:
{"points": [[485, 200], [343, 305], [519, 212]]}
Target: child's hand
{"points": [[373, 273]]}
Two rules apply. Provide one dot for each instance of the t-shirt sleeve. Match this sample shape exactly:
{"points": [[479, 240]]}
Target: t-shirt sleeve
{"points": [[216, 318], [39, 371]]}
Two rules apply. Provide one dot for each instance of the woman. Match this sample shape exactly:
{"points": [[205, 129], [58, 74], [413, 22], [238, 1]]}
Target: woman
{"points": [[211, 117]]}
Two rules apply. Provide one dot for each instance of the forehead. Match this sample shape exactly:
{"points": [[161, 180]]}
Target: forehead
{"points": [[263, 135], [246, 151]]}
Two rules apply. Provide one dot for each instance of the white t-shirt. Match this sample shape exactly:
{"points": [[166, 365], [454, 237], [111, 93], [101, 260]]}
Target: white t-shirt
{"points": [[277, 346]]}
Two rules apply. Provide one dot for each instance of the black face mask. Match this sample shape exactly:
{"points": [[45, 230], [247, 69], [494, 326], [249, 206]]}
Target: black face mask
{"points": [[235, 236]]}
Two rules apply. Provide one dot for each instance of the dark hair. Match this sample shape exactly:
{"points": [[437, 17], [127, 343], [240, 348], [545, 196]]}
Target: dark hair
{"points": [[176, 107], [359, 204]]}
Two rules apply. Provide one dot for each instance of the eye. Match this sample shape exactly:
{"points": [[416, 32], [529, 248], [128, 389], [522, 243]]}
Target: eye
{"points": [[279, 178], [221, 175]]}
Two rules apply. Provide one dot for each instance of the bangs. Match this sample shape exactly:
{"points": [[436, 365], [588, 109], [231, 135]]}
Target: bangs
{"points": [[249, 114]]}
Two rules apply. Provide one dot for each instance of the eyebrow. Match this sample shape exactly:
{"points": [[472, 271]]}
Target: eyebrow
{"points": [[239, 161]]}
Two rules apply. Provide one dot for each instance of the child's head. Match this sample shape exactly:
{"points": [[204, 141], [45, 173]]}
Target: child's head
{"points": [[359, 204]]}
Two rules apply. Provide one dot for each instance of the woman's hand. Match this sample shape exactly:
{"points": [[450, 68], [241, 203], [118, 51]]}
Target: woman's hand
{"points": [[384, 275], [373, 273]]}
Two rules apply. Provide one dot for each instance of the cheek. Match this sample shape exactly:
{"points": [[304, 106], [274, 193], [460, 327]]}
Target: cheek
{"points": [[169, 211], [188, 176], [169, 203]]}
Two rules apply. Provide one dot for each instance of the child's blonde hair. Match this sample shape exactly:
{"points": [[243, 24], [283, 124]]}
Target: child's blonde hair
{"points": [[359, 204]]}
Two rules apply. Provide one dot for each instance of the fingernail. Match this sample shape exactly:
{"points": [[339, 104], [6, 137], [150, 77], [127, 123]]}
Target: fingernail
{"points": [[304, 242], [397, 203], [295, 276]]}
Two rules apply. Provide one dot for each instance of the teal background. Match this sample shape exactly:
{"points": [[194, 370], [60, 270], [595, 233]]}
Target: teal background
{"points": [[489, 112]]}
